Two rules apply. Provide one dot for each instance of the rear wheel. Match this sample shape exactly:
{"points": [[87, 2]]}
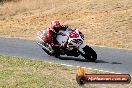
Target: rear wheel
{"points": [[90, 54], [52, 51], [47, 52]]}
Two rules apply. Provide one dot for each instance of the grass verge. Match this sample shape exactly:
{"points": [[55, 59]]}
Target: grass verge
{"points": [[19, 72]]}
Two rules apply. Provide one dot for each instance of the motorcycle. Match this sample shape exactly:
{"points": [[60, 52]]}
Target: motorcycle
{"points": [[74, 40]]}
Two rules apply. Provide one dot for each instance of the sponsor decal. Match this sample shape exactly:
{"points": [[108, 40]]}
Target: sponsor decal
{"points": [[82, 77]]}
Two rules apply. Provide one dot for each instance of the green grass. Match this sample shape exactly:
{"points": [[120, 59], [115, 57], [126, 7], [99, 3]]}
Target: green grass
{"points": [[16, 72]]}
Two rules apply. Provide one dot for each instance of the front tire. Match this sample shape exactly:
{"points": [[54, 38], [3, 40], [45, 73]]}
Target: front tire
{"points": [[90, 54]]}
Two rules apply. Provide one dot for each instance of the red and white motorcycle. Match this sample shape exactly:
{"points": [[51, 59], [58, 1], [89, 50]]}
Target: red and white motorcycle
{"points": [[74, 40]]}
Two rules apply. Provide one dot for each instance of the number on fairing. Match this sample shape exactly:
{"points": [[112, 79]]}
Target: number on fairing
{"points": [[73, 34]]}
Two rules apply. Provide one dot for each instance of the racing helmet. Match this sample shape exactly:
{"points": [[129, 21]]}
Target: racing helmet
{"points": [[55, 25]]}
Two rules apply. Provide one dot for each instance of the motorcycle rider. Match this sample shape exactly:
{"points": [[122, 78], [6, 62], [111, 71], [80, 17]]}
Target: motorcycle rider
{"points": [[49, 36]]}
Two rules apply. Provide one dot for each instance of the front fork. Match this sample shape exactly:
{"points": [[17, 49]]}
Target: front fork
{"points": [[81, 48]]}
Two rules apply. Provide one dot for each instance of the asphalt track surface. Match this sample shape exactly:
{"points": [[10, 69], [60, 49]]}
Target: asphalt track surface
{"points": [[109, 59]]}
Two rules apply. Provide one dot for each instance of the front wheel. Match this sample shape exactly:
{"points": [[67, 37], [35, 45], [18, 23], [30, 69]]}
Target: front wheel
{"points": [[90, 54]]}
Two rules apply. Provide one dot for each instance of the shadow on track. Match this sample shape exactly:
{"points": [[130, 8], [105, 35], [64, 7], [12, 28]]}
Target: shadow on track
{"points": [[102, 61], [72, 58], [116, 63], [83, 60]]}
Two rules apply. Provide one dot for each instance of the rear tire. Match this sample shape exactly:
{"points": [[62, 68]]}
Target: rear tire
{"points": [[47, 52], [51, 54], [47, 48], [90, 54]]}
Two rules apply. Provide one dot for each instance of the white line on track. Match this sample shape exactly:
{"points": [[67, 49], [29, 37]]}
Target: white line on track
{"points": [[87, 68]]}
